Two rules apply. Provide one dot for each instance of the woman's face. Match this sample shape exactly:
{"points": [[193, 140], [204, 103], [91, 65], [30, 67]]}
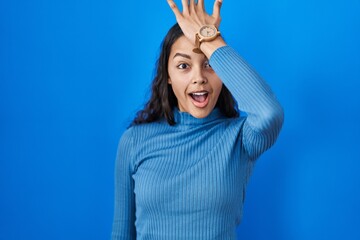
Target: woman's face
{"points": [[195, 84]]}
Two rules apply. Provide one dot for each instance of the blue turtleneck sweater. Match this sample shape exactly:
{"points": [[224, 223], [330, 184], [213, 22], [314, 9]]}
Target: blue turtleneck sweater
{"points": [[188, 181]]}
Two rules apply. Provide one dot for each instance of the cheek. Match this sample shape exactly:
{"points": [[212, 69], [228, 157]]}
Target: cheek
{"points": [[178, 83], [217, 86], [179, 88]]}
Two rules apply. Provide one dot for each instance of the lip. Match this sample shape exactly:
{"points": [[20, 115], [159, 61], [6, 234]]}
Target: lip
{"points": [[200, 104], [199, 91]]}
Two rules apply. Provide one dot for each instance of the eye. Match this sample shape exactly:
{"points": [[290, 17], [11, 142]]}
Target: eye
{"points": [[207, 64], [183, 66]]}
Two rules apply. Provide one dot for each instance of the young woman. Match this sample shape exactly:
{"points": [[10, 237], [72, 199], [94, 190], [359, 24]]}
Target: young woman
{"points": [[183, 165]]}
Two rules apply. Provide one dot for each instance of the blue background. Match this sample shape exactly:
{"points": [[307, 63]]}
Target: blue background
{"points": [[73, 73]]}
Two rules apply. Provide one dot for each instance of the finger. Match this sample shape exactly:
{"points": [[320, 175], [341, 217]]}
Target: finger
{"points": [[200, 4], [174, 8], [185, 5], [192, 5], [216, 9]]}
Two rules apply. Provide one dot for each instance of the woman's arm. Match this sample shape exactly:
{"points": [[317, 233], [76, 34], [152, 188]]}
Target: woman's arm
{"points": [[124, 213], [254, 96]]}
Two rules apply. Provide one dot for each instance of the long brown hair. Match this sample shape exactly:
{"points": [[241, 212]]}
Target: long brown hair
{"points": [[163, 99]]}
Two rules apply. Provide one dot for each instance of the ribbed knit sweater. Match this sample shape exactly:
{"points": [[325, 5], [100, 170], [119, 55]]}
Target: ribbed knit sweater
{"points": [[188, 181]]}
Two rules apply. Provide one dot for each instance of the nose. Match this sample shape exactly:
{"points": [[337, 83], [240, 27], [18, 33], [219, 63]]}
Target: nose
{"points": [[199, 77]]}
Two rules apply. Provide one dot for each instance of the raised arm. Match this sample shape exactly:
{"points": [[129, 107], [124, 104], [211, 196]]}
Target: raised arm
{"points": [[124, 212], [254, 96]]}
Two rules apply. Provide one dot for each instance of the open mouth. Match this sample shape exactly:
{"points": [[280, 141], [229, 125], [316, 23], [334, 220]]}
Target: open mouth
{"points": [[200, 99]]}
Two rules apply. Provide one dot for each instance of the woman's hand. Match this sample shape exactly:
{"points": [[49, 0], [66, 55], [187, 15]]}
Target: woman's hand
{"points": [[194, 16]]}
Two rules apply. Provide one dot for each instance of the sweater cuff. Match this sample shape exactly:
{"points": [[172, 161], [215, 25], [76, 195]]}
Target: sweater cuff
{"points": [[219, 53]]}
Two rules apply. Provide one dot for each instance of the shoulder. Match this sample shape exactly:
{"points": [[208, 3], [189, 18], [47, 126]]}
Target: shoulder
{"points": [[228, 126], [235, 122], [140, 132], [233, 128], [126, 142], [134, 138]]}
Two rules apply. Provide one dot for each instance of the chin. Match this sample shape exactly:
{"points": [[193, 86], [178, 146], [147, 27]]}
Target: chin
{"points": [[200, 113]]}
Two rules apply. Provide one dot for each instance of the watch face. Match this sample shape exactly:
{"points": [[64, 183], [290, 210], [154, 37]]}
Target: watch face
{"points": [[208, 31]]}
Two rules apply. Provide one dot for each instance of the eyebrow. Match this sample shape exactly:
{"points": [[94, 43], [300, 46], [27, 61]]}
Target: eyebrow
{"points": [[182, 55]]}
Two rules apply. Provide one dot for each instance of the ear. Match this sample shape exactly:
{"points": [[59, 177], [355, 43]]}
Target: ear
{"points": [[169, 81]]}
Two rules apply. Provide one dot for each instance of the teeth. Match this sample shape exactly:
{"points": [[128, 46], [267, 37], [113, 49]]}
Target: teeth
{"points": [[199, 93]]}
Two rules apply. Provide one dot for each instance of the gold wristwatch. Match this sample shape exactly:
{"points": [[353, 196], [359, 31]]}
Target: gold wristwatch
{"points": [[206, 33]]}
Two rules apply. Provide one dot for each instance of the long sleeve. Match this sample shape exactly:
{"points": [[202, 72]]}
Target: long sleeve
{"points": [[124, 213], [264, 114]]}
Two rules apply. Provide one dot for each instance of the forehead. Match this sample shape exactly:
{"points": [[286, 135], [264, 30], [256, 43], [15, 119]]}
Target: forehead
{"points": [[183, 45]]}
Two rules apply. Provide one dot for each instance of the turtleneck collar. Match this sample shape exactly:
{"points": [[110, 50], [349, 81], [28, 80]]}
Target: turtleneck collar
{"points": [[185, 118]]}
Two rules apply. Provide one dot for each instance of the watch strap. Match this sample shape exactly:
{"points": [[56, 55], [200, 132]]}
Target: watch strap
{"points": [[197, 44]]}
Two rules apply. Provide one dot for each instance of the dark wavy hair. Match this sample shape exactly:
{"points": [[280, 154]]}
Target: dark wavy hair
{"points": [[163, 100]]}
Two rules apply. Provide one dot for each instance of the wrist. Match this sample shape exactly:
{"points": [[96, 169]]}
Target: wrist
{"points": [[208, 39], [208, 48]]}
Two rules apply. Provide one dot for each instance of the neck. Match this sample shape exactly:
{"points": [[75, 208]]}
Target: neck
{"points": [[185, 118]]}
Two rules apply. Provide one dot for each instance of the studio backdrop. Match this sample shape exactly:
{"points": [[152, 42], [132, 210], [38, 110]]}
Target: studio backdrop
{"points": [[74, 73]]}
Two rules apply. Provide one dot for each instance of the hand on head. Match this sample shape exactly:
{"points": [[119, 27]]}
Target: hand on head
{"points": [[194, 16]]}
